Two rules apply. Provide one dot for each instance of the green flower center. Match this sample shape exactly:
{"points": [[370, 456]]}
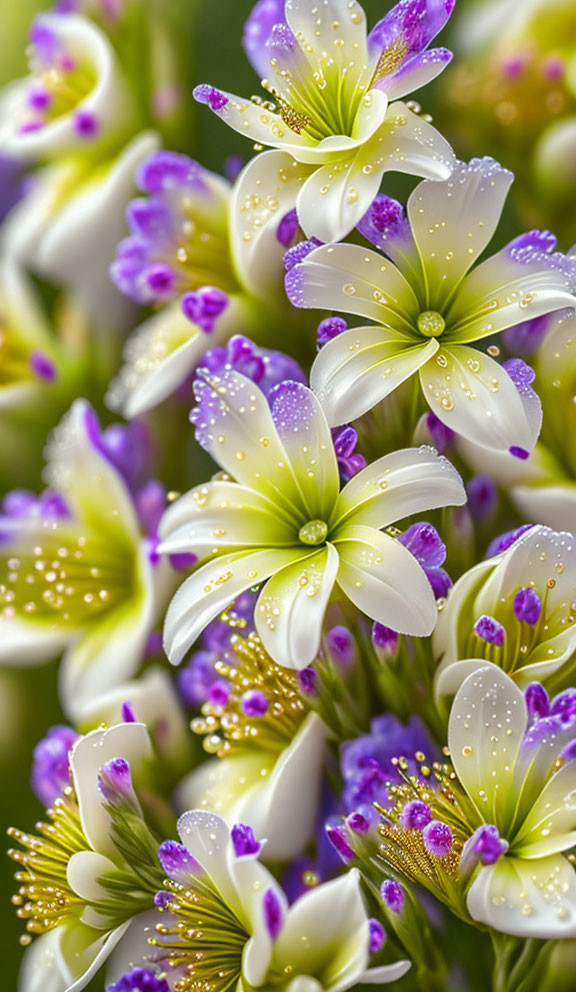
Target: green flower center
{"points": [[313, 532], [431, 323]]}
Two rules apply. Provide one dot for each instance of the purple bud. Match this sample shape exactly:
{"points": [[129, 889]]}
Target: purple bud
{"points": [[244, 841], [527, 606], [42, 366], [287, 228], [337, 836], [177, 862], [254, 703], [308, 681], [520, 453], [392, 895], [377, 935], [537, 702], [272, 913], [115, 782], [85, 124], [484, 846], [490, 630], [210, 96], [219, 693], [51, 764], [424, 542], [415, 816], [385, 641], [142, 979], [482, 497], [350, 462], [160, 280], [328, 329], [437, 838], [128, 715], [341, 645], [358, 823], [163, 899], [204, 306]]}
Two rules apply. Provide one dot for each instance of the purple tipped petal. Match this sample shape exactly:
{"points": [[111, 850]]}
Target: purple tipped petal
{"points": [[128, 714], [506, 540], [358, 823], [527, 606], [338, 838], [531, 241], [164, 170], [386, 226], [522, 375], [177, 862], [520, 453], [484, 846], [330, 328], [298, 253], [51, 764], [210, 96], [490, 630], [257, 30], [410, 26], [537, 702], [272, 913], [392, 895], [423, 541], [244, 841]]}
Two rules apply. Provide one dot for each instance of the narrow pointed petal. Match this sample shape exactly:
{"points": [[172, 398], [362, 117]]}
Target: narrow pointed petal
{"points": [[385, 973], [385, 581], [411, 145], [263, 127], [485, 732], [82, 952], [409, 27], [212, 588], [397, 486], [314, 27], [415, 73], [526, 898], [452, 222], [474, 396], [290, 610], [262, 18]]}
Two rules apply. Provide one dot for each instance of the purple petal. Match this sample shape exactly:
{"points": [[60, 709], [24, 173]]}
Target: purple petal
{"points": [[424, 542], [244, 841], [257, 29], [272, 913], [386, 226], [410, 26]]}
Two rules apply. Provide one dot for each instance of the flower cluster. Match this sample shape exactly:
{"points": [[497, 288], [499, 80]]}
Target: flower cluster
{"points": [[289, 495]]}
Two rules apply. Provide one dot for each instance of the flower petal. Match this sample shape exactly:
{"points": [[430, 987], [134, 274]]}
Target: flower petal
{"points": [[83, 951], [415, 73], [485, 731], [83, 873], [411, 145], [352, 279], [474, 396], [385, 581], [304, 433], [361, 366], [40, 971], [290, 610], [330, 34], [125, 740], [409, 27], [398, 485], [452, 222], [262, 18], [550, 826], [223, 515], [264, 127], [212, 588], [23, 643], [552, 505], [526, 898], [385, 973]]}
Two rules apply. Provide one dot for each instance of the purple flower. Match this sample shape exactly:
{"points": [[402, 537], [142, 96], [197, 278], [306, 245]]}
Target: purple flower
{"points": [[177, 862], [204, 306], [423, 541], [329, 328], [140, 980], [51, 764], [338, 838], [506, 540], [115, 783], [265, 367], [537, 701], [484, 846]]}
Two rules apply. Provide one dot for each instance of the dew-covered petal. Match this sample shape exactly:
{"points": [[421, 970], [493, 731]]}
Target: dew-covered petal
{"points": [[534, 898], [408, 144], [385, 581], [361, 366], [485, 731], [452, 222], [304, 433], [399, 485], [223, 515], [415, 73], [234, 424], [336, 28], [212, 588], [386, 226], [450, 678], [207, 838], [264, 192], [40, 970], [351, 279], [407, 28], [262, 18], [455, 615], [550, 826], [125, 740], [474, 396], [290, 610]]}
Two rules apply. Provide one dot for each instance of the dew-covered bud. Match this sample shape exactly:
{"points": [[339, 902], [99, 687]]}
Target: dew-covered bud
{"points": [[415, 816], [490, 630], [254, 703], [437, 838]]}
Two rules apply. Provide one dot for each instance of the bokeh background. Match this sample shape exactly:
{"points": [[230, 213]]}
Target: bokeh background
{"points": [[508, 93]]}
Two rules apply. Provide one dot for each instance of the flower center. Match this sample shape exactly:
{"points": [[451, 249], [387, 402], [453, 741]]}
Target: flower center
{"points": [[314, 532], [431, 323]]}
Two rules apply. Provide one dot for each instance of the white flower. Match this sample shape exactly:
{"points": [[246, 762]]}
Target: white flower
{"points": [[70, 862], [321, 942], [284, 522], [428, 308], [76, 574], [330, 87], [528, 591]]}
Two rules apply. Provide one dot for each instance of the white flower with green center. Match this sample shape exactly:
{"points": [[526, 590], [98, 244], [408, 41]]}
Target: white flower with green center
{"points": [[428, 308], [284, 522], [76, 573], [253, 938], [269, 747], [78, 894], [516, 611], [328, 108], [486, 831]]}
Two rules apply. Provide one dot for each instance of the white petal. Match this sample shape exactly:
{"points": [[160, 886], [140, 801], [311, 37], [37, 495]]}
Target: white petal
{"points": [[385, 581], [485, 731], [551, 505], [133, 950], [550, 826], [450, 677], [84, 950], [453, 620], [83, 872], [362, 366], [207, 838], [264, 192], [352, 279], [474, 396], [385, 973], [398, 485], [315, 30], [125, 740], [24, 643], [526, 898], [266, 128], [223, 515], [411, 145], [40, 970], [452, 222], [212, 588], [290, 610], [326, 934]]}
